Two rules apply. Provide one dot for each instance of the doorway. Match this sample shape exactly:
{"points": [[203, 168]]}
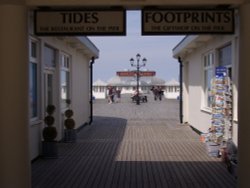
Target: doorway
{"points": [[50, 83]]}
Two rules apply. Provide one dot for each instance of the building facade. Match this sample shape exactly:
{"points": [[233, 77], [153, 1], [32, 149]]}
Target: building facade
{"points": [[126, 82], [58, 70], [172, 89], [201, 55], [14, 71], [99, 89]]}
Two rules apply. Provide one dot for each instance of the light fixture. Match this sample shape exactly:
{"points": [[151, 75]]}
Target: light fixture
{"points": [[137, 73], [138, 56], [132, 61]]}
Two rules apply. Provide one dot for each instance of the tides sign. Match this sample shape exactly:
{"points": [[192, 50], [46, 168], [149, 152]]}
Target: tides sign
{"points": [[113, 22], [165, 22], [80, 22]]}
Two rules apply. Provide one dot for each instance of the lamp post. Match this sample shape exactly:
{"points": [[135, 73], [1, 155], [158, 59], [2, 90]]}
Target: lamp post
{"points": [[138, 65]]}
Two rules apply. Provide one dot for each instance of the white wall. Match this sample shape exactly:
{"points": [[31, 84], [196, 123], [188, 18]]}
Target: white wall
{"points": [[100, 95], [194, 111], [35, 139], [80, 89], [79, 93], [198, 117], [171, 91], [171, 95]]}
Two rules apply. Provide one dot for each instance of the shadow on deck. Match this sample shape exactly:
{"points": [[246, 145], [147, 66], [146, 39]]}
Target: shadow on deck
{"points": [[117, 153]]}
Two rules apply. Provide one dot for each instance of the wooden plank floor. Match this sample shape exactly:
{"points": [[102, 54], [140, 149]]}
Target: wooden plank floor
{"points": [[133, 146]]}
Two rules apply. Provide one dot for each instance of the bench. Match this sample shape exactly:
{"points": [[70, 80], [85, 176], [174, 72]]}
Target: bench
{"points": [[142, 98]]}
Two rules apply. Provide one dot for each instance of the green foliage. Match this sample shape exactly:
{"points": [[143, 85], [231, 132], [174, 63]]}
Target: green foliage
{"points": [[49, 120], [49, 132], [69, 113], [50, 109], [69, 123]]}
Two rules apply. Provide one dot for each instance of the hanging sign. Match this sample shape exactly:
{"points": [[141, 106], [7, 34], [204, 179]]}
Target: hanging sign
{"points": [[220, 71], [163, 22], [80, 22], [133, 73]]}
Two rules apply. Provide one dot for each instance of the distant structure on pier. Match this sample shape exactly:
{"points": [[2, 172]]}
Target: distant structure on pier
{"points": [[126, 82]]}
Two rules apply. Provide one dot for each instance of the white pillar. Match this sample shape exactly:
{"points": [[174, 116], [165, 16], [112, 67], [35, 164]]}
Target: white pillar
{"points": [[14, 145], [244, 97]]}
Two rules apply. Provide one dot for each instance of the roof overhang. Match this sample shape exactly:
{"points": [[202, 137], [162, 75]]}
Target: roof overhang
{"points": [[189, 44], [82, 44]]}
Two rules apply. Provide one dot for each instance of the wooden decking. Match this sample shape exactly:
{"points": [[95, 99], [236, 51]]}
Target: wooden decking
{"points": [[133, 146]]}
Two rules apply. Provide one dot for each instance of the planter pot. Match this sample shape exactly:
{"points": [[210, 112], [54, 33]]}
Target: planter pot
{"points": [[70, 135], [50, 150]]}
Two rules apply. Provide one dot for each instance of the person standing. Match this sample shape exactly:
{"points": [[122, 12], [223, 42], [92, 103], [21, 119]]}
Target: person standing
{"points": [[155, 92], [110, 95], [113, 92], [160, 92], [118, 95]]}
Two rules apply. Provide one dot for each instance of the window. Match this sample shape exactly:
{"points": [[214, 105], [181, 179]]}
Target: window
{"points": [[208, 75], [225, 55], [33, 79], [50, 57], [171, 89], [65, 79], [177, 89], [225, 58], [102, 89], [95, 89]]}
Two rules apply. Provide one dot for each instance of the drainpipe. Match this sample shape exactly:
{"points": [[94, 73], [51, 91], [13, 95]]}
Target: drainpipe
{"points": [[181, 90], [90, 90]]}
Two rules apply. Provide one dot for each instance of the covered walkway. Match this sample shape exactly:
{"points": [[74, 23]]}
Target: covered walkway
{"points": [[133, 146]]}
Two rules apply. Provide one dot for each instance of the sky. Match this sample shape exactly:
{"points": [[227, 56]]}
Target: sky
{"points": [[115, 52]]}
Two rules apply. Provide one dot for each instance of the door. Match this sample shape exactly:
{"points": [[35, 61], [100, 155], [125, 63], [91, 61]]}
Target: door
{"points": [[51, 85]]}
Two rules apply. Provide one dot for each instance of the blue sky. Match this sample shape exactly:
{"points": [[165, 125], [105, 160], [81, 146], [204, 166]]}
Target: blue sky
{"points": [[115, 52]]}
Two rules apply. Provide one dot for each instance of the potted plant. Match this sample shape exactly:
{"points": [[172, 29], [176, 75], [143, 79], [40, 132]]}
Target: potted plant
{"points": [[69, 123], [49, 134]]}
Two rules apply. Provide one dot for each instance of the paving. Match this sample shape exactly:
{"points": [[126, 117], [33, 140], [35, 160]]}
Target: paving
{"points": [[133, 146]]}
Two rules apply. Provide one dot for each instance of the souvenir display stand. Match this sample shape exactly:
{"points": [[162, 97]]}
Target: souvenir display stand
{"points": [[219, 137], [221, 121]]}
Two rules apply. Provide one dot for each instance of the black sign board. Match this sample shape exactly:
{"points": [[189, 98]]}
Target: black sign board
{"points": [[163, 22], [80, 22]]}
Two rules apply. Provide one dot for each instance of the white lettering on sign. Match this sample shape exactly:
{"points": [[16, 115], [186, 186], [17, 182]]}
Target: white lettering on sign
{"points": [[187, 21]]}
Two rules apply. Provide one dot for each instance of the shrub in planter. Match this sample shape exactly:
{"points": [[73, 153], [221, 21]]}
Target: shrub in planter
{"points": [[49, 120], [69, 113], [69, 123], [49, 134], [50, 109]]}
